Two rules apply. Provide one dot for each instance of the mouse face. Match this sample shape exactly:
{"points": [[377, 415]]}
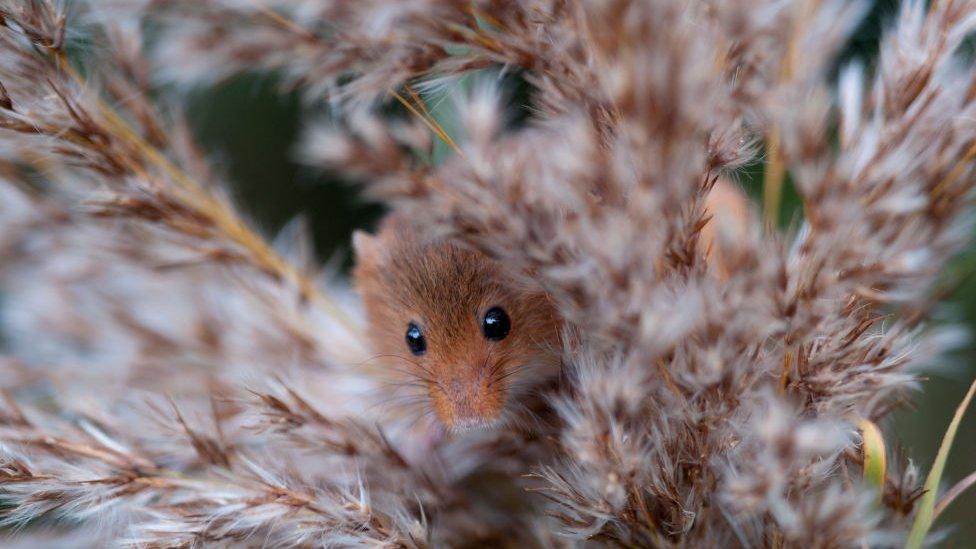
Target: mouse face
{"points": [[452, 328]]}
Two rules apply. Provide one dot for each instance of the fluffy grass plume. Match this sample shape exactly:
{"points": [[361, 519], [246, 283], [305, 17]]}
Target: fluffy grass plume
{"points": [[173, 378]]}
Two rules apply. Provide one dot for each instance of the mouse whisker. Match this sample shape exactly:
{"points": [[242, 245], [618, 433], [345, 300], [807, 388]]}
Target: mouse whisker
{"points": [[411, 374], [420, 366], [421, 381], [496, 368], [512, 372], [400, 402], [407, 384], [400, 391], [419, 417]]}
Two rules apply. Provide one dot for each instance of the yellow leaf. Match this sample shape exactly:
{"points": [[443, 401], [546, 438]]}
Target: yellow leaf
{"points": [[875, 455]]}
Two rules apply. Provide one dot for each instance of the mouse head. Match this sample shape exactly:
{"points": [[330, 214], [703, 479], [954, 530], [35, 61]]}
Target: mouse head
{"points": [[448, 323]]}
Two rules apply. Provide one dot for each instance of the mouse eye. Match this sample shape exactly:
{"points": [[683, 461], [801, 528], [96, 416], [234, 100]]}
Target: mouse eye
{"points": [[416, 340], [496, 324]]}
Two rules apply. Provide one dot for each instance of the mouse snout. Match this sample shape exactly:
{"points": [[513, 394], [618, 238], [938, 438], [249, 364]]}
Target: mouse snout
{"points": [[464, 402]]}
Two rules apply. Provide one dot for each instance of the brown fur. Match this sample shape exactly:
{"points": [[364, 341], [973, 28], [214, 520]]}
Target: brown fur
{"points": [[729, 220], [446, 290]]}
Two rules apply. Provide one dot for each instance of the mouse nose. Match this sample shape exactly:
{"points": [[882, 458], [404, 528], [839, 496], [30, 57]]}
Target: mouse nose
{"points": [[466, 402]]}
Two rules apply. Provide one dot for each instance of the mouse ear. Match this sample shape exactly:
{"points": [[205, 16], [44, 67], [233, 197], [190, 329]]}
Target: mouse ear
{"points": [[366, 247]]}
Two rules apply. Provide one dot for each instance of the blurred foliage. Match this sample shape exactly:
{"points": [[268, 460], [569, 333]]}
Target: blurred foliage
{"points": [[251, 129]]}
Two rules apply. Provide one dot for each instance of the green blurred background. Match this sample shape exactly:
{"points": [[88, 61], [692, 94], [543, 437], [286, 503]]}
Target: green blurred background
{"points": [[251, 129]]}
